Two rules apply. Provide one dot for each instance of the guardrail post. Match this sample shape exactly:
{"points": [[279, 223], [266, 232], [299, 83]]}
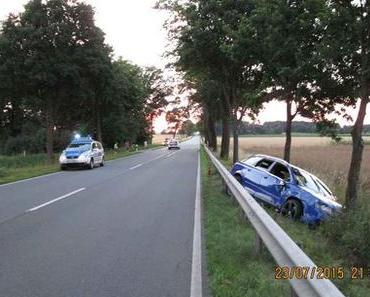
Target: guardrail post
{"points": [[293, 293], [257, 245]]}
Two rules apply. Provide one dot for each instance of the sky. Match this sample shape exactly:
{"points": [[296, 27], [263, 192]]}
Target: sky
{"points": [[135, 30]]}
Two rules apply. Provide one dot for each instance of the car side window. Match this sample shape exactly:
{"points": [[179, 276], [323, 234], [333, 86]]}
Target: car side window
{"points": [[264, 164], [99, 145], [280, 171], [94, 146]]}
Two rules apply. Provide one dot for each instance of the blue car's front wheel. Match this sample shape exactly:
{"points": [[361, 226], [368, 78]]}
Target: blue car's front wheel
{"points": [[293, 209]]}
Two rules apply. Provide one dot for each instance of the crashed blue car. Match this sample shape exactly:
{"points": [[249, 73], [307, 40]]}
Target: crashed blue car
{"points": [[293, 191]]}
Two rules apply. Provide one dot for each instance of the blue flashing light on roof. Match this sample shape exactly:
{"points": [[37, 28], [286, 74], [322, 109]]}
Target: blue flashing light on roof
{"points": [[86, 139]]}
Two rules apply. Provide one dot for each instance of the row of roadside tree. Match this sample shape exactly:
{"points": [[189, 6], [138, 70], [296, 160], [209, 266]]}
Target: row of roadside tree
{"points": [[58, 75], [313, 55]]}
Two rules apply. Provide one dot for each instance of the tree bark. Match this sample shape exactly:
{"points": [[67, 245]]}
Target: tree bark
{"points": [[50, 133], [99, 133], [225, 141], [288, 129], [353, 177], [212, 134], [206, 125], [235, 140]]}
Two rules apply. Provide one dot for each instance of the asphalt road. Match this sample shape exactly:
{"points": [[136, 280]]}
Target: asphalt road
{"points": [[125, 229]]}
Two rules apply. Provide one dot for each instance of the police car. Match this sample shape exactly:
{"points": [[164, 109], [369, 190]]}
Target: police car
{"points": [[82, 152]]}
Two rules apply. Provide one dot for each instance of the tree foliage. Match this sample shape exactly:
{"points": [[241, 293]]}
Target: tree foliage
{"points": [[58, 75]]}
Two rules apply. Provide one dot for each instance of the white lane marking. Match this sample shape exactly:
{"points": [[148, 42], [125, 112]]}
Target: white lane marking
{"points": [[170, 155], [31, 178], [156, 158], [137, 166], [196, 265], [55, 200]]}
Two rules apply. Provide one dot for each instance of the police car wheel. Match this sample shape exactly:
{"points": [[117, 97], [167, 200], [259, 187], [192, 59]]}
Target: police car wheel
{"points": [[102, 162], [63, 167], [91, 164]]}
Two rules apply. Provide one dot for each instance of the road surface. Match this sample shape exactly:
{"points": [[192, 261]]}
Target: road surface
{"points": [[125, 229]]}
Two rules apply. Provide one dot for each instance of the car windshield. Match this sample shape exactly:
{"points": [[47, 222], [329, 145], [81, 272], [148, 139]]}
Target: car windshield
{"points": [[304, 179], [323, 188], [80, 145]]}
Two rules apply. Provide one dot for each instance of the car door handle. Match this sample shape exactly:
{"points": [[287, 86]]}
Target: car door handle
{"points": [[265, 177]]}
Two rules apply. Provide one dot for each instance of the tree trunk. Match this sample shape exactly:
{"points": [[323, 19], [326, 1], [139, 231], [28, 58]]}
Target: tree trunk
{"points": [[206, 125], [225, 142], [212, 134], [353, 177], [235, 140], [99, 133], [50, 134], [288, 129]]}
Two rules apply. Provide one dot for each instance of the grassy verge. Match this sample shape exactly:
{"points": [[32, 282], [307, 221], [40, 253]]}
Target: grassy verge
{"points": [[335, 243], [233, 270], [14, 168]]}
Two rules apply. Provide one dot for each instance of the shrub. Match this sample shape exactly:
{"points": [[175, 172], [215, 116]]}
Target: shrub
{"points": [[350, 233], [3, 172]]}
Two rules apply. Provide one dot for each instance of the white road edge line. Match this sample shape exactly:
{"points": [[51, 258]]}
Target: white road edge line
{"points": [[196, 265], [31, 178], [137, 166], [55, 200]]}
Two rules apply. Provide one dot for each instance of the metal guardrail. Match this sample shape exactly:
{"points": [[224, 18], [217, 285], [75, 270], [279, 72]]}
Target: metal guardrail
{"points": [[283, 249]]}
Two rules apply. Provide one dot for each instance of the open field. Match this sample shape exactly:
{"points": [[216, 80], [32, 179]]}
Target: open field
{"points": [[319, 155]]}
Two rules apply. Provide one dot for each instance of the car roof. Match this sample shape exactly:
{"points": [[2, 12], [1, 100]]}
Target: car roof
{"points": [[273, 159]]}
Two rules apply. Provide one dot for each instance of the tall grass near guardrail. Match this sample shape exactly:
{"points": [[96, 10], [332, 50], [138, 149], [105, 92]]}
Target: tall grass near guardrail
{"points": [[233, 270]]}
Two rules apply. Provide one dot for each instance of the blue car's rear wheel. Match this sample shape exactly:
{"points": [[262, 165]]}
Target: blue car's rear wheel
{"points": [[293, 209]]}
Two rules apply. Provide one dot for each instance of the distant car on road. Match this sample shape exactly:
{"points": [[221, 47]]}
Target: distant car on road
{"points": [[82, 152], [173, 144], [292, 190]]}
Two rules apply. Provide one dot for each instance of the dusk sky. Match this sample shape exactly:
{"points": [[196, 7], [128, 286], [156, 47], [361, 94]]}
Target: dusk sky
{"points": [[134, 29]]}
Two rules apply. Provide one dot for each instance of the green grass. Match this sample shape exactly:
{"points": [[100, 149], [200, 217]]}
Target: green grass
{"points": [[18, 167], [232, 269], [322, 250]]}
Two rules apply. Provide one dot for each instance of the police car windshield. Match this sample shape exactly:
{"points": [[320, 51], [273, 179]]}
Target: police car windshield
{"points": [[79, 145]]}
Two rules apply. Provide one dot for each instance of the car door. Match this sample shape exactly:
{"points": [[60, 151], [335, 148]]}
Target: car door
{"points": [[273, 183], [101, 151], [95, 152], [255, 175]]}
